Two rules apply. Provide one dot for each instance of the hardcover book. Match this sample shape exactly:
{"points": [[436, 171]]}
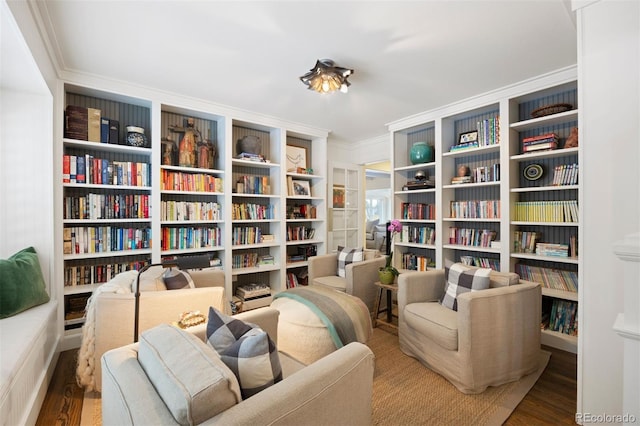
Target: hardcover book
{"points": [[104, 130], [94, 123], [76, 123], [114, 132]]}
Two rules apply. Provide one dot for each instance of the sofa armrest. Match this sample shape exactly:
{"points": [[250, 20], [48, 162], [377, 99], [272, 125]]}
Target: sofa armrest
{"points": [[360, 277], [336, 389], [507, 318], [207, 277], [322, 266]]}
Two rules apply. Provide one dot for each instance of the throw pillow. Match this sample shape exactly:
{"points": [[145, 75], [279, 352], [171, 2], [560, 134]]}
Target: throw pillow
{"points": [[462, 279], [188, 375], [176, 279], [246, 349], [152, 279], [22, 284], [346, 256]]}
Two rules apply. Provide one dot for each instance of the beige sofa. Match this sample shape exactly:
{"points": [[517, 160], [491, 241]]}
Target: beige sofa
{"points": [[335, 390], [493, 338], [114, 313], [359, 276]]}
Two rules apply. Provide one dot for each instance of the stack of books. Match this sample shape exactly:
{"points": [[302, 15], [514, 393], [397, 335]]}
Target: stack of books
{"points": [[461, 179], [418, 184], [542, 142], [254, 296], [251, 157], [550, 249], [463, 146]]}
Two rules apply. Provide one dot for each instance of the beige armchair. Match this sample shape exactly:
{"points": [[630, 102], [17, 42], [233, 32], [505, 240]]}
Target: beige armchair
{"points": [[114, 313], [493, 338], [359, 276]]}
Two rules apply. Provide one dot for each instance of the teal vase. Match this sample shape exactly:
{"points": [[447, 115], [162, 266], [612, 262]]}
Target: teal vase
{"points": [[421, 153]]}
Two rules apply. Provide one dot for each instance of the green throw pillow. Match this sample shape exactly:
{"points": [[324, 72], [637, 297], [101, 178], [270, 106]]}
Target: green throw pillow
{"points": [[21, 283]]}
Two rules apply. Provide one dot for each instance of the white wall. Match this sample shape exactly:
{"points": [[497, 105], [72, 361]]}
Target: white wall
{"points": [[608, 71], [26, 152]]}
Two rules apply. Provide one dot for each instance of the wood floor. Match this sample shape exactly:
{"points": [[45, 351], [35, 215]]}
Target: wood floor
{"points": [[552, 401]]}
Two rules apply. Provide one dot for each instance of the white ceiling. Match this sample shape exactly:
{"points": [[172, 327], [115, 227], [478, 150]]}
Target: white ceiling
{"points": [[408, 57]]}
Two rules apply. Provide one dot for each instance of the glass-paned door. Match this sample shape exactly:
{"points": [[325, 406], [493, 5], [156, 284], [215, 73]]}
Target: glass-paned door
{"points": [[346, 214]]}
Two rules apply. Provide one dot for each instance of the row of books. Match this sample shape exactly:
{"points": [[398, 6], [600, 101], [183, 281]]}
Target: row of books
{"points": [[558, 279], [171, 210], [250, 184], [481, 262], [562, 317], [471, 237], [97, 274], [475, 209], [246, 235], [420, 211], [197, 182], [106, 206], [102, 239], [547, 211], [190, 238], [542, 142], [486, 173], [244, 260], [88, 124], [418, 234], [415, 262], [101, 171], [252, 211], [525, 241], [296, 233], [488, 131], [565, 174]]}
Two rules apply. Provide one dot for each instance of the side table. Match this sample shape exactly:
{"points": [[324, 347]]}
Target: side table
{"points": [[389, 288]]}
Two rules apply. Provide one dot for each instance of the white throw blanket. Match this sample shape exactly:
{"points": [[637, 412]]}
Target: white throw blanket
{"points": [[120, 284]]}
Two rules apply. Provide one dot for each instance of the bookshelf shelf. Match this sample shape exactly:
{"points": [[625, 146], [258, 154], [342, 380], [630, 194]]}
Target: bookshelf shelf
{"points": [[104, 221], [190, 250], [505, 116], [105, 147], [193, 170], [100, 186]]}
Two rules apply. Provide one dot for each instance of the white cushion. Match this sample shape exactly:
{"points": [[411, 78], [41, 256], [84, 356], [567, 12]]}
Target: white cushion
{"points": [[188, 375]]}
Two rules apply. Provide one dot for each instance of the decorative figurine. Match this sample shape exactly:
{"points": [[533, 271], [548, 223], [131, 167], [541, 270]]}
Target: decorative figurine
{"points": [[572, 140]]}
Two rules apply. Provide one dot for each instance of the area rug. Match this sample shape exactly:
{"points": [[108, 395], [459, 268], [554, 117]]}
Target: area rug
{"points": [[407, 393]]}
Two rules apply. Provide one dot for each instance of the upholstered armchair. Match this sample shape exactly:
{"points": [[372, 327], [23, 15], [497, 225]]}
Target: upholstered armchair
{"points": [[359, 276], [493, 338]]}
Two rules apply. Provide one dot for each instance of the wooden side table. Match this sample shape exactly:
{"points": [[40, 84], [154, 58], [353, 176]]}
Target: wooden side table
{"points": [[389, 288]]}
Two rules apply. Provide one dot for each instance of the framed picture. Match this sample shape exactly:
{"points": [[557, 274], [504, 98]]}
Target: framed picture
{"points": [[338, 197], [468, 137], [296, 157], [301, 188]]}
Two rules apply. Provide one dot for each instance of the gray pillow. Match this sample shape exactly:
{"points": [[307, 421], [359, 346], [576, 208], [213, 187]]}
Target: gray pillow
{"points": [[188, 375]]}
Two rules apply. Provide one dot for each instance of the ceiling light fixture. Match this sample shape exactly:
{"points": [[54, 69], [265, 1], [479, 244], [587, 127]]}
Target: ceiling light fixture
{"points": [[326, 77]]}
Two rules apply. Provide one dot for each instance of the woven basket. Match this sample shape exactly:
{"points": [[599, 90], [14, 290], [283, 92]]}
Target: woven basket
{"points": [[550, 109]]}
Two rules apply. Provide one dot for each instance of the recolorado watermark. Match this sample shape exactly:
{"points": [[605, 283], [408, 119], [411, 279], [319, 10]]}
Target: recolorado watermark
{"points": [[604, 418]]}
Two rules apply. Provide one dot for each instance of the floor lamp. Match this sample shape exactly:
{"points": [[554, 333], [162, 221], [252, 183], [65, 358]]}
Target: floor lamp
{"points": [[184, 262]]}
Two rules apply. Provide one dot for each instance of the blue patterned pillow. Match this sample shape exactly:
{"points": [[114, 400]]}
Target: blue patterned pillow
{"points": [[246, 349], [462, 279], [346, 256]]}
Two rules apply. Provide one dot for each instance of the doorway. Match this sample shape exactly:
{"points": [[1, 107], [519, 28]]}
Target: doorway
{"points": [[378, 204]]}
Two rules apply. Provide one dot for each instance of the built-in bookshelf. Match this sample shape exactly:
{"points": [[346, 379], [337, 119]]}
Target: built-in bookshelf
{"points": [[106, 189], [186, 191], [504, 194]]}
